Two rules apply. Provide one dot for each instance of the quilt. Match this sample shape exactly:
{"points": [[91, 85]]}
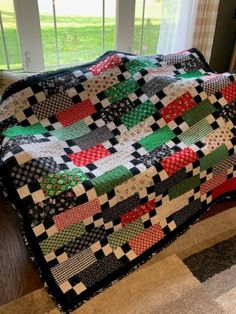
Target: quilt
{"points": [[108, 162]]}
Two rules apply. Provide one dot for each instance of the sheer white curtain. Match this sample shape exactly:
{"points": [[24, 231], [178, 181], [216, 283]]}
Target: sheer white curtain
{"points": [[177, 25]]}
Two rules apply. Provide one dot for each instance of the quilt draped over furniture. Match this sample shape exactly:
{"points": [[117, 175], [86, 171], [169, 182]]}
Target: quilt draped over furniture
{"points": [[108, 162]]}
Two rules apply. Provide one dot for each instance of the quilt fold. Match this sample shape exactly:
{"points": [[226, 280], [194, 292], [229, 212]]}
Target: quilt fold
{"points": [[108, 162]]}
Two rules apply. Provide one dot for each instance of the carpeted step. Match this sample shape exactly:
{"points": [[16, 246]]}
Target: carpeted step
{"points": [[228, 301], [215, 268], [164, 287], [36, 302]]}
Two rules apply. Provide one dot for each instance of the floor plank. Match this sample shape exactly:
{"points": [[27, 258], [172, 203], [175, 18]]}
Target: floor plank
{"points": [[17, 273]]}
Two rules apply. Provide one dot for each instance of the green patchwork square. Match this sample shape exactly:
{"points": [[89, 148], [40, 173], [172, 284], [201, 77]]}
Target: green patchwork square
{"points": [[73, 131], [210, 160], [192, 74], [184, 186], [196, 132], [121, 90], [26, 130], [55, 183], [111, 179], [138, 114], [136, 65], [123, 235], [197, 113], [157, 138], [62, 237]]}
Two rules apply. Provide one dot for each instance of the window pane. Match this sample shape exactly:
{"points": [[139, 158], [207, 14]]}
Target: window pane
{"points": [[9, 30], [151, 26], [47, 33], [110, 24], [79, 30]]}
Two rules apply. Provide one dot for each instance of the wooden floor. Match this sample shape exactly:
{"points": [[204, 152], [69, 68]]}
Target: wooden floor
{"points": [[17, 273]]}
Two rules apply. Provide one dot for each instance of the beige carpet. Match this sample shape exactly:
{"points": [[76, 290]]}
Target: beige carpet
{"points": [[163, 285]]}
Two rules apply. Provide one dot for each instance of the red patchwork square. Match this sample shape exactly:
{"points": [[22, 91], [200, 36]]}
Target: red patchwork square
{"points": [[137, 212], [89, 155], [109, 63], [75, 112], [146, 239], [76, 214], [177, 107], [229, 92], [178, 160], [226, 187]]}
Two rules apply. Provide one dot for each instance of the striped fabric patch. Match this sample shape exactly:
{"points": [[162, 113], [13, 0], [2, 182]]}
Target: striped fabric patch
{"points": [[224, 165], [157, 138], [196, 132], [213, 183], [72, 131]]}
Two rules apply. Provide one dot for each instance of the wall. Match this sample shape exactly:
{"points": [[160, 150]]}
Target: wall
{"points": [[225, 35]]}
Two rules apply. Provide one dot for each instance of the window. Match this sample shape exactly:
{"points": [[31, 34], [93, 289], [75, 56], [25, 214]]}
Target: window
{"points": [[10, 57], [146, 26], [73, 32], [41, 35]]}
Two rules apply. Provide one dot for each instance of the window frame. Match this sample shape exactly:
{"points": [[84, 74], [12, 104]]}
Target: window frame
{"points": [[29, 31]]}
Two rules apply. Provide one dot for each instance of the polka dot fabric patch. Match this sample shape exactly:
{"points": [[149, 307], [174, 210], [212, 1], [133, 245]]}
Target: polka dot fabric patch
{"points": [[55, 183], [177, 107], [89, 155], [217, 138], [178, 160], [101, 82], [229, 92], [75, 112], [109, 63]]}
